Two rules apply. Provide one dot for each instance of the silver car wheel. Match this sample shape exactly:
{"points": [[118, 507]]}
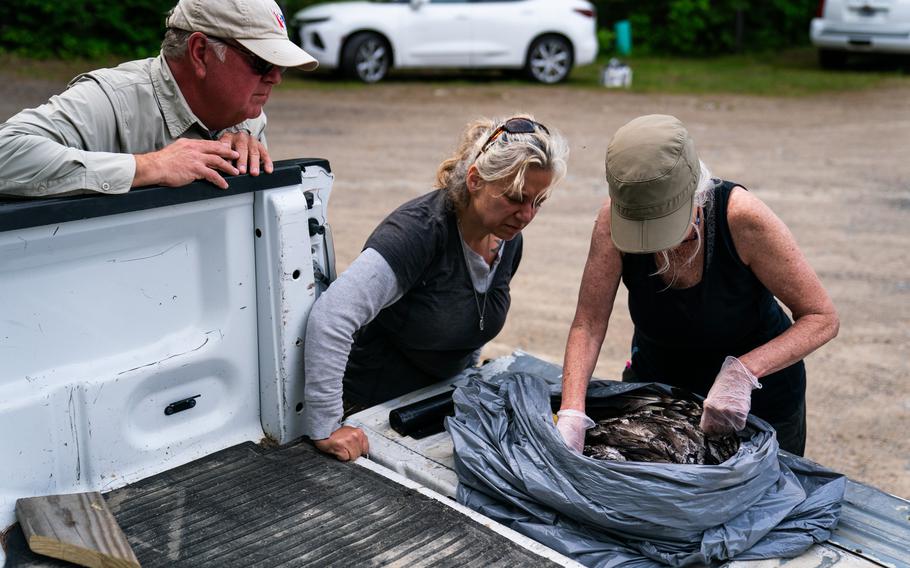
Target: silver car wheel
{"points": [[371, 60], [550, 60]]}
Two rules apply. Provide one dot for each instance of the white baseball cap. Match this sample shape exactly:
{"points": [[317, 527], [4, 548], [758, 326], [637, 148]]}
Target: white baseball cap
{"points": [[257, 25]]}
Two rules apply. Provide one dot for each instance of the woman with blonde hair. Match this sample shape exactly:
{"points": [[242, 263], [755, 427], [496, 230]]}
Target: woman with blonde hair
{"points": [[431, 286]]}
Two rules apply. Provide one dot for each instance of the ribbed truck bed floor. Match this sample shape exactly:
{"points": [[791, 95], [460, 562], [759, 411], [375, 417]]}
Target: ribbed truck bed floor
{"points": [[289, 506]]}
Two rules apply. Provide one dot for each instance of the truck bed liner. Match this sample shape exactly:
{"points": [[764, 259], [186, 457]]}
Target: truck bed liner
{"points": [[289, 506]]}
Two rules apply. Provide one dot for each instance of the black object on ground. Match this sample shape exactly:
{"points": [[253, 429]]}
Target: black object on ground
{"points": [[424, 417]]}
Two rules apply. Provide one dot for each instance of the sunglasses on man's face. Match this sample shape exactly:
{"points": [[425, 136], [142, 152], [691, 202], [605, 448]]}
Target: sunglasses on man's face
{"points": [[513, 126], [258, 65]]}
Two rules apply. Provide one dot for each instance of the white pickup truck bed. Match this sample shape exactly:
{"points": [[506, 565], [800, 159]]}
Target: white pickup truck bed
{"points": [[149, 341]]}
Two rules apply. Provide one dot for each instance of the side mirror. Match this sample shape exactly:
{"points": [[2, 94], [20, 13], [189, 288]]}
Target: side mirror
{"points": [[416, 4]]}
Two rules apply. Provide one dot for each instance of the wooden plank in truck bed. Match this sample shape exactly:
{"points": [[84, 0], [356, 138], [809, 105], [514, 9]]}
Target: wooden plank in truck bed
{"points": [[77, 527]]}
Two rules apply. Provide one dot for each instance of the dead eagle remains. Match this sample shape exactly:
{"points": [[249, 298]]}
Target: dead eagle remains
{"points": [[656, 428]]}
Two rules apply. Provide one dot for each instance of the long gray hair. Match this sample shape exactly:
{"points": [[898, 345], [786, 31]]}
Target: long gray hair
{"points": [[509, 157], [704, 194]]}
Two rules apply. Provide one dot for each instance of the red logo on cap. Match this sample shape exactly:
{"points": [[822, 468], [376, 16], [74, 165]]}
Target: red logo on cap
{"points": [[280, 17]]}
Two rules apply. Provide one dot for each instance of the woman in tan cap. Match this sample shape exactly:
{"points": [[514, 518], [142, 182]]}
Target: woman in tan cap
{"points": [[703, 260], [431, 286]]}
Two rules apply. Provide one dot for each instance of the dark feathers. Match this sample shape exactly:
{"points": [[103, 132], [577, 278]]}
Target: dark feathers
{"points": [[655, 428]]}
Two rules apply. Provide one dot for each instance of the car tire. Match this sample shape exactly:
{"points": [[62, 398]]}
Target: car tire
{"points": [[549, 60], [367, 57], [832, 59]]}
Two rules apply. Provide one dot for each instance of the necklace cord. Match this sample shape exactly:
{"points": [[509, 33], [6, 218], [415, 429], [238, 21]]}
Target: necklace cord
{"points": [[481, 309]]}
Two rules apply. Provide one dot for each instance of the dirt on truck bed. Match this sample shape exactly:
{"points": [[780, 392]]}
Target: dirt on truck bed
{"points": [[835, 168]]}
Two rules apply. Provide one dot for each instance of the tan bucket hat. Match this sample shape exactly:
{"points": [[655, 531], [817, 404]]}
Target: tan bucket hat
{"points": [[653, 170], [257, 25]]}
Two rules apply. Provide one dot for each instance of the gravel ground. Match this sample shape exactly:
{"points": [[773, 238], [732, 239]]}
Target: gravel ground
{"points": [[833, 167]]}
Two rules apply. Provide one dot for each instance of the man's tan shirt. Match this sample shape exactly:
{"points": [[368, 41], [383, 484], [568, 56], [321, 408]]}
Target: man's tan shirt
{"points": [[84, 138]]}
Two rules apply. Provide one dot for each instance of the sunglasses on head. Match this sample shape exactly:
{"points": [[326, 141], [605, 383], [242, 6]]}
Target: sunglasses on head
{"points": [[513, 126], [257, 64]]}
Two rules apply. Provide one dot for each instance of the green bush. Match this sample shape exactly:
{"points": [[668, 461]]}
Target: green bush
{"points": [[605, 39], [91, 28], [82, 28], [710, 27]]}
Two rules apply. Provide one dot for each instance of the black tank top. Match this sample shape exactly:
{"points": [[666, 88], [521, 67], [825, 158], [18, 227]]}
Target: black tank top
{"points": [[432, 331], [683, 335]]}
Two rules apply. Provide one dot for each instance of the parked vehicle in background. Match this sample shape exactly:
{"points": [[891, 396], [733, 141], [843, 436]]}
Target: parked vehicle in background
{"points": [[860, 26], [364, 40]]}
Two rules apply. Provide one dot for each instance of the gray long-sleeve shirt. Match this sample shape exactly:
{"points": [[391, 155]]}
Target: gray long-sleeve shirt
{"points": [[84, 138], [351, 302]]}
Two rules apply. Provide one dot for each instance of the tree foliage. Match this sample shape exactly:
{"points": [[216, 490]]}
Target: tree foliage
{"points": [[708, 27], [133, 28], [83, 28]]}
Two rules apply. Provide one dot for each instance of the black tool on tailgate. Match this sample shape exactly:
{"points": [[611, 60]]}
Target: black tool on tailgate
{"points": [[424, 417]]}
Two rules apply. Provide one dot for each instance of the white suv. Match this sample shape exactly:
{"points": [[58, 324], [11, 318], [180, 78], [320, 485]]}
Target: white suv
{"points": [[862, 26], [366, 39]]}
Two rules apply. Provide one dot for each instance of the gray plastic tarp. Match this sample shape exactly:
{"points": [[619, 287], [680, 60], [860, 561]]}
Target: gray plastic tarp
{"points": [[514, 467]]}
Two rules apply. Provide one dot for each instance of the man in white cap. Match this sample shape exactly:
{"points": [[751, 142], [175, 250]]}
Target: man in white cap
{"points": [[194, 112]]}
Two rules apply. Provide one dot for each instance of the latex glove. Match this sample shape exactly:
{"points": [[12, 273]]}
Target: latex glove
{"points": [[572, 425], [730, 398], [346, 443]]}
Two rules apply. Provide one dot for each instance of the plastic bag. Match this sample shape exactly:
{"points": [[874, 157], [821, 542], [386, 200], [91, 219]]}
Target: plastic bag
{"points": [[514, 467]]}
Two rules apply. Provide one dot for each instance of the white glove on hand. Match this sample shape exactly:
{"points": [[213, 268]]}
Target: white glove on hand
{"points": [[730, 398], [572, 425]]}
